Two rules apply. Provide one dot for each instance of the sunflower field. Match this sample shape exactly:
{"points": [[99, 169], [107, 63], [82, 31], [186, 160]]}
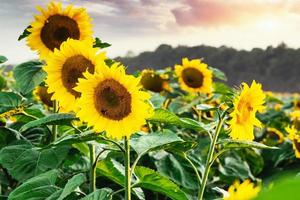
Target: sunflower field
{"points": [[75, 126]]}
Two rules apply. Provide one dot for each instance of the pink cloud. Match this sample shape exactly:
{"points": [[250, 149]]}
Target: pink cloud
{"points": [[220, 12]]}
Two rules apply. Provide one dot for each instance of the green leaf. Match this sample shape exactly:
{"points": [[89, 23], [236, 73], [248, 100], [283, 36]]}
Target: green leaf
{"points": [[151, 180], [178, 170], [153, 141], [6, 136], [218, 74], [76, 138], [100, 194], [53, 119], [164, 116], [229, 143], [25, 33], [3, 59], [23, 161], [100, 44], [112, 170], [180, 148], [9, 101], [71, 185], [28, 75], [36, 188]]}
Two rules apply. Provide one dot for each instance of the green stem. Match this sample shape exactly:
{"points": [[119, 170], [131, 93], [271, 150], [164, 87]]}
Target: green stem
{"points": [[210, 156], [92, 168], [195, 169], [127, 169], [54, 127]]}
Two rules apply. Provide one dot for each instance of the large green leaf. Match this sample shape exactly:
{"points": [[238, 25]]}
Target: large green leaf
{"points": [[2, 59], [36, 188], [75, 138], [229, 143], [100, 194], [151, 180], [71, 185], [178, 170], [165, 116], [218, 74], [23, 161], [28, 75], [7, 136], [112, 169], [9, 101], [153, 141], [53, 119], [115, 171]]}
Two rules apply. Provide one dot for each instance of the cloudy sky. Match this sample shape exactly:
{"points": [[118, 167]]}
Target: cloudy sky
{"points": [[140, 25]]}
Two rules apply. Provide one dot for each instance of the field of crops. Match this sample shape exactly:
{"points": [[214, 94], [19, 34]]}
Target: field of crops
{"points": [[75, 126]]}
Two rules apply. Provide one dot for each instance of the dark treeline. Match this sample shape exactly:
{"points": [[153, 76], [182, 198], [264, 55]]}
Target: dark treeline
{"points": [[277, 68]]}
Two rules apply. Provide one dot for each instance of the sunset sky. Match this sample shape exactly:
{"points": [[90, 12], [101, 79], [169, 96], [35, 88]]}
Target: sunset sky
{"points": [[140, 25]]}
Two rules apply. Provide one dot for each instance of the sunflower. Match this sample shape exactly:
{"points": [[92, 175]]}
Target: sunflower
{"points": [[111, 101], [55, 25], [273, 135], [243, 119], [242, 191], [66, 65], [153, 81], [294, 136], [194, 76], [296, 104], [40, 93]]}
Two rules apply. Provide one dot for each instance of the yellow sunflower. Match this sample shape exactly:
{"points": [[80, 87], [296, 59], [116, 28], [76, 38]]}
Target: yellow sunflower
{"points": [[194, 76], [242, 191], [153, 81], [66, 65], [243, 119], [111, 101], [274, 135], [294, 136], [40, 93], [55, 25]]}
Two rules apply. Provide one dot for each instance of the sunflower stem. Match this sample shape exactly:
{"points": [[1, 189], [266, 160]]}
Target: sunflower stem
{"points": [[54, 127], [127, 169], [92, 168], [194, 168], [210, 156]]}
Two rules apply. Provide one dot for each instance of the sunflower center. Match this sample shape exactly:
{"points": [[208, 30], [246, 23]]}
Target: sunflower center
{"points": [[245, 110], [192, 77], [72, 70], [273, 135], [112, 100], [152, 82], [297, 145], [57, 29]]}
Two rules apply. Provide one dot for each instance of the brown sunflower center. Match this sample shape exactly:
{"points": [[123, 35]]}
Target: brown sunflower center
{"points": [[297, 145], [112, 100], [57, 29], [192, 77], [45, 96], [152, 82], [73, 69], [273, 135]]}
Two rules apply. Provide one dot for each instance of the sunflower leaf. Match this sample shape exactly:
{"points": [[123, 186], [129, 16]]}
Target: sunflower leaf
{"points": [[99, 194], [25, 33], [9, 101], [2, 59], [154, 141], [165, 116], [152, 180], [28, 75], [230, 144], [100, 44], [218, 74], [53, 119], [39, 187]]}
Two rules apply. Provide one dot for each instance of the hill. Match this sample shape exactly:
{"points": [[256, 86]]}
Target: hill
{"points": [[277, 68]]}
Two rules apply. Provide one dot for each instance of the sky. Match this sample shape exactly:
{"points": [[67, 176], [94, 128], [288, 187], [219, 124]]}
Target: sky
{"points": [[142, 25]]}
